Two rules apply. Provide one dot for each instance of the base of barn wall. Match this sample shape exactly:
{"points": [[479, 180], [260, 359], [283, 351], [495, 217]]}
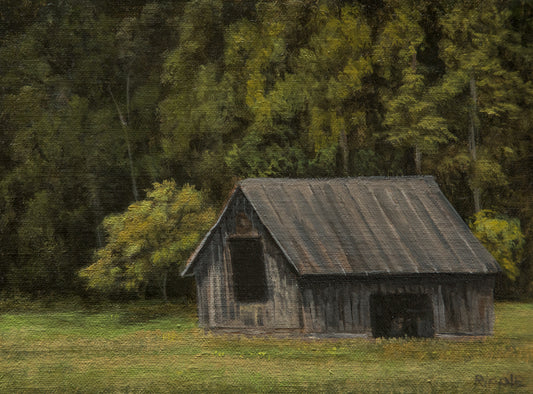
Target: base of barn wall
{"points": [[280, 333], [300, 334]]}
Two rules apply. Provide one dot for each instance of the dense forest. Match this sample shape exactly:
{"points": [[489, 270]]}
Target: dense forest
{"points": [[100, 100]]}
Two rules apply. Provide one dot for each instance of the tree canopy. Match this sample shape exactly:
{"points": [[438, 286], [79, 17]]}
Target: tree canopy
{"points": [[99, 100], [151, 238], [502, 237]]}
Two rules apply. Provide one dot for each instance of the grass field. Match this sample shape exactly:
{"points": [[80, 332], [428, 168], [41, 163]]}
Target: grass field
{"points": [[146, 347]]}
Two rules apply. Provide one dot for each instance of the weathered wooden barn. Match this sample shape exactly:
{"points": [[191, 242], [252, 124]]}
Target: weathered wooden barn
{"points": [[375, 256]]}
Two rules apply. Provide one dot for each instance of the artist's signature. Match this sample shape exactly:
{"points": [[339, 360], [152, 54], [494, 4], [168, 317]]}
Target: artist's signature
{"points": [[510, 380]]}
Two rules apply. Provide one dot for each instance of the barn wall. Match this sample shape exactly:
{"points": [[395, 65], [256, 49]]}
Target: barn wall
{"points": [[461, 305], [468, 306], [217, 307]]}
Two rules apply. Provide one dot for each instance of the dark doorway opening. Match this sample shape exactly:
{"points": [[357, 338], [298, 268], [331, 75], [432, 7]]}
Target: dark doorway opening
{"points": [[401, 315], [249, 279]]}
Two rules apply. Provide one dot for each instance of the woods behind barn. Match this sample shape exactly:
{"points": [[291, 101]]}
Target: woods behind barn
{"points": [[100, 100]]}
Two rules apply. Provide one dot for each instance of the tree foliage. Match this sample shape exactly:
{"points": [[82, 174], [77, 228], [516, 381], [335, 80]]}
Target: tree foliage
{"points": [[502, 237], [100, 99], [411, 119], [149, 239]]}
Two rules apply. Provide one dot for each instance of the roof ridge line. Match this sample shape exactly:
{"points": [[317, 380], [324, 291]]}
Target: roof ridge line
{"points": [[325, 179]]}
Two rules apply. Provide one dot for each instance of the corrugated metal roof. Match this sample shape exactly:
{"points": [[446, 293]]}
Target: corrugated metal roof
{"points": [[366, 226]]}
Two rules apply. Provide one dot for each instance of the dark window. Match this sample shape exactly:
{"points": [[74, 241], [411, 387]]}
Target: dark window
{"points": [[243, 225], [249, 279]]}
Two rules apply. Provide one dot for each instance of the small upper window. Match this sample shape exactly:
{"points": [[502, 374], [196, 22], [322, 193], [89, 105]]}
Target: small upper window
{"points": [[249, 279], [243, 225]]}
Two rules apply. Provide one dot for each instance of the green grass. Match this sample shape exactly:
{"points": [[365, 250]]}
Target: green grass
{"points": [[150, 347]]}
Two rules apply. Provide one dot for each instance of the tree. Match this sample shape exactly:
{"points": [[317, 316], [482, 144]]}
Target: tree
{"points": [[194, 115], [481, 96], [306, 90], [100, 99], [15, 15], [258, 79], [502, 237], [46, 106], [135, 88], [149, 239], [411, 120], [337, 65], [65, 161]]}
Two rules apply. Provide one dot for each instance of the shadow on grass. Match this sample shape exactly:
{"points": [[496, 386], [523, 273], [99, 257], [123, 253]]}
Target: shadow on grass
{"points": [[143, 312], [124, 313]]}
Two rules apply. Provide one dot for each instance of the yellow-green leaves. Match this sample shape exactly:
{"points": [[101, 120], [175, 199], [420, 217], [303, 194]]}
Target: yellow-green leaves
{"points": [[488, 173], [336, 66], [411, 118], [150, 238], [399, 40], [502, 237]]}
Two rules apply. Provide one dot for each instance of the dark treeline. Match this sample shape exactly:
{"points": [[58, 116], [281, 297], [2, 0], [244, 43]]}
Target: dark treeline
{"points": [[100, 99]]}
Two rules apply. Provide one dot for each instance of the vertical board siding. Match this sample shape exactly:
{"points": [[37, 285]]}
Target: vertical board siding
{"points": [[217, 306], [469, 307], [461, 305]]}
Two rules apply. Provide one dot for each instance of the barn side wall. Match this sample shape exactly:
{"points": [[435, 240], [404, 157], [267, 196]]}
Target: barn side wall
{"points": [[217, 306], [461, 304]]}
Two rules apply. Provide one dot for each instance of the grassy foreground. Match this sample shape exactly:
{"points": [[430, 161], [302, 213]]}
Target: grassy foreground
{"points": [[158, 348]]}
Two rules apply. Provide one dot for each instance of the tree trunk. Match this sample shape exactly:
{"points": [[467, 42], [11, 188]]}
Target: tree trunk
{"points": [[476, 191], [132, 172], [128, 97], [473, 120], [343, 144], [125, 128], [477, 199], [418, 160], [418, 152], [97, 210], [142, 290], [163, 285]]}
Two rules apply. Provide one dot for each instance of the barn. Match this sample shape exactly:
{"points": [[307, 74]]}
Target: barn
{"points": [[375, 256]]}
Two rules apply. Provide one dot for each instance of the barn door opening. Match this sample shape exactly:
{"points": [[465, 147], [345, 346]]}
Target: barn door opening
{"points": [[401, 315]]}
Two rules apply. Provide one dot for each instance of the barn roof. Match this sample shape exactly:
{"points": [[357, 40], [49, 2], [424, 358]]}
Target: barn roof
{"points": [[364, 226]]}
